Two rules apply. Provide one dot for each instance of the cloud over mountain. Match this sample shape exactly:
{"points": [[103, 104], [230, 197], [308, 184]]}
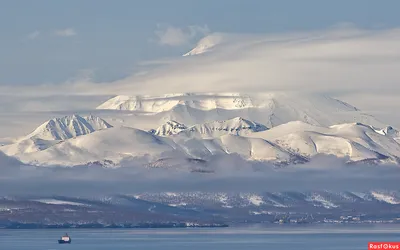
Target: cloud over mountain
{"points": [[343, 61], [336, 60]]}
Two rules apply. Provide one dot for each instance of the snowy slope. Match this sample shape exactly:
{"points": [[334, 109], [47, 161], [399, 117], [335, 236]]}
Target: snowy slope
{"points": [[112, 144], [167, 102], [248, 148], [121, 143], [294, 142], [141, 103], [355, 140], [270, 109], [55, 130], [237, 126], [68, 126], [255, 149]]}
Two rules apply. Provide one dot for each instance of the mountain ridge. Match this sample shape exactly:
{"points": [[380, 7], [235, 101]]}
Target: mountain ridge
{"points": [[55, 130], [236, 125], [270, 108], [67, 127], [291, 128]]}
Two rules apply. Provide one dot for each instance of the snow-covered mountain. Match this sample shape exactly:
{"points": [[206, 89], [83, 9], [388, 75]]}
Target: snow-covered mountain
{"points": [[155, 104], [55, 130], [169, 128], [227, 42], [269, 109], [355, 140], [290, 128], [206, 44], [294, 142], [68, 127], [112, 144]]}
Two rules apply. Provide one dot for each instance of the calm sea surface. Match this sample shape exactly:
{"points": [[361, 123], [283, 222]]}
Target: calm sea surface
{"points": [[257, 237]]}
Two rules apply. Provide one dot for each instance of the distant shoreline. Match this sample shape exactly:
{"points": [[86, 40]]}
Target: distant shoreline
{"points": [[112, 226], [27, 226]]}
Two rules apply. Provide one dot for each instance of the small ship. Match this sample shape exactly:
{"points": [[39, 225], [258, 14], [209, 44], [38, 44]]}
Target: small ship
{"points": [[65, 239]]}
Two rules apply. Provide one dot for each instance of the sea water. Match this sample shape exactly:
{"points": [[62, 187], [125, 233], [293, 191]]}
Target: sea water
{"points": [[233, 238]]}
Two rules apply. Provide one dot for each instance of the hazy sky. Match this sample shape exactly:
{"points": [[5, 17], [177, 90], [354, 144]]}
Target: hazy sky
{"points": [[47, 41]]}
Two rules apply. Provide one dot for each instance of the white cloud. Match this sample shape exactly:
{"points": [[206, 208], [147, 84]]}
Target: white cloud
{"points": [[323, 173], [175, 36], [65, 32], [347, 61], [360, 65], [331, 61], [34, 35]]}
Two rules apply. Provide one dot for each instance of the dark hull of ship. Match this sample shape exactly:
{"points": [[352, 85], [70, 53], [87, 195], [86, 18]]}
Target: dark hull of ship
{"points": [[64, 242]]}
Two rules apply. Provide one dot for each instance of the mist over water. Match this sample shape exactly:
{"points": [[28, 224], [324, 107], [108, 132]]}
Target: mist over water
{"points": [[225, 174]]}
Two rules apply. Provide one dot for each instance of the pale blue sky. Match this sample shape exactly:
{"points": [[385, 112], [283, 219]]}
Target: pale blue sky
{"points": [[46, 41]]}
